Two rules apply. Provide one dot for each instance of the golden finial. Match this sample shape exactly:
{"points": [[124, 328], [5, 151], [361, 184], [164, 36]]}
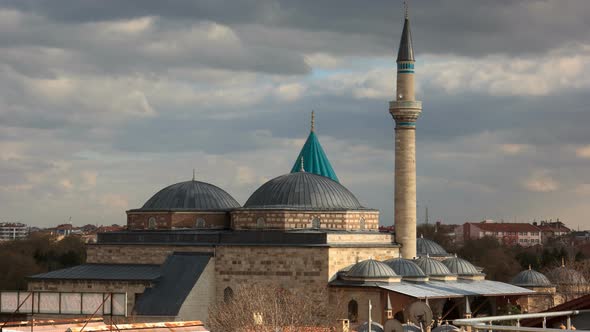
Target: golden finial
{"points": [[312, 120], [302, 168]]}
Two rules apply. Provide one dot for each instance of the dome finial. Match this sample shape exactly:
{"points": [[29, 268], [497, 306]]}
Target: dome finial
{"points": [[194, 174], [302, 168], [312, 121], [562, 261], [530, 267]]}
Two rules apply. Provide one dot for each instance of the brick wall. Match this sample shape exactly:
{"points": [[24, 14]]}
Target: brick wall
{"points": [[177, 219]]}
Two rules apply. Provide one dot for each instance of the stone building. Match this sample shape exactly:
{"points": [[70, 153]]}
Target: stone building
{"points": [[192, 245]]}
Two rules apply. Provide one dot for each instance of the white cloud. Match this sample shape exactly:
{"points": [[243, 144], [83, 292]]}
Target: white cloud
{"points": [[541, 181]]}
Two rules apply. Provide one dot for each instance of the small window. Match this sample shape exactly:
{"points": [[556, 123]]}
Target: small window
{"points": [[152, 223], [228, 294], [200, 223], [353, 311], [260, 222], [315, 223], [362, 223]]}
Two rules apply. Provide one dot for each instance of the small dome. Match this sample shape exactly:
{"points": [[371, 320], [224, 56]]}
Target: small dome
{"points": [[460, 266], [432, 267], [410, 327], [565, 276], [405, 267], [446, 328], [375, 327], [530, 278], [428, 247], [303, 191], [370, 268], [191, 195]]}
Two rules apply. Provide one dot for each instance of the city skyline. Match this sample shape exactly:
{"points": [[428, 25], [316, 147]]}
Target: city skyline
{"points": [[103, 105]]}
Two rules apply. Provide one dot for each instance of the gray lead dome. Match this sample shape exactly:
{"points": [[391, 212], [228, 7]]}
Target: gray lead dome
{"points": [[191, 195], [428, 247], [530, 278], [432, 267], [460, 266], [371, 268], [405, 267], [303, 191]]}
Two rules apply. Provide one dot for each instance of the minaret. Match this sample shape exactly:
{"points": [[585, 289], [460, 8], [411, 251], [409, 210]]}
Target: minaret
{"points": [[405, 111]]}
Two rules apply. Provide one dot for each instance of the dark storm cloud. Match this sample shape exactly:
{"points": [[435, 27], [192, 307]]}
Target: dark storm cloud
{"points": [[452, 26]]}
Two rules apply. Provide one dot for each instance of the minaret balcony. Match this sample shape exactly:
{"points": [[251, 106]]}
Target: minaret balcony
{"points": [[405, 104]]}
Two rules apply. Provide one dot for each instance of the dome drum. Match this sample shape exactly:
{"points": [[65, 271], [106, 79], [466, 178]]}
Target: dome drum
{"points": [[250, 219]]}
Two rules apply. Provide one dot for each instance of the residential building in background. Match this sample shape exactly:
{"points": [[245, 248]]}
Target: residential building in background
{"points": [[522, 234], [13, 231], [552, 229]]}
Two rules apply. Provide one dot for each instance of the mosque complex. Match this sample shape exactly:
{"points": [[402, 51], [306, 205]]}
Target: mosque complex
{"points": [[192, 244]]}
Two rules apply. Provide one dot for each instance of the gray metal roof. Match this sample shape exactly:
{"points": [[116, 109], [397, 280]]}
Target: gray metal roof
{"points": [[410, 327], [143, 272], [406, 49], [370, 268], [191, 195], [432, 267], [566, 276], [460, 288], [460, 266], [428, 247], [303, 191], [446, 328], [180, 273], [405, 267], [531, 278]]}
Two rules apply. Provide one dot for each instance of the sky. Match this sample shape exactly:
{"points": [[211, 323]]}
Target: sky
{"points": [[103, 103]]}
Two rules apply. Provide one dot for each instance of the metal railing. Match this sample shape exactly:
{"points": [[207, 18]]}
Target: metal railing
{"points": [[486, 323]]}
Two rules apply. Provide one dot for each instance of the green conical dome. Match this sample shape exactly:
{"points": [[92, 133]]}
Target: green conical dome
{"points": [[314, 158]]}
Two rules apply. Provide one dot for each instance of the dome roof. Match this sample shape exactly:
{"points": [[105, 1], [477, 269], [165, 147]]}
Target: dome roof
{"points": [[371, 268], [432, 267], [565, 275], [375, 327], [428, 247], [460, 266], [530, 278], [303, 191], [446, 328], [405, 267], [191, 195]]}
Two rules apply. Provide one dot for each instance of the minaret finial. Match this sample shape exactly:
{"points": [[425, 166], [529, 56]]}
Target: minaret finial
{"points": [[302, 168], [312, 121], [194, 174], [406, 9]]}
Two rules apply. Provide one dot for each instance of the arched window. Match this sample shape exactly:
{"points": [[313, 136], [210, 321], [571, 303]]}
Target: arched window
{"points": [[362, 223], [200, 223], [353, 311], [315, 223], [260, 222], [228, 294], [152, 223]]}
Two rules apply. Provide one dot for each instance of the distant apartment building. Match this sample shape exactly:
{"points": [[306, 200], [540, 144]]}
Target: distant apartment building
{"points": [[13, 231], [552, 229], [522, 234]]}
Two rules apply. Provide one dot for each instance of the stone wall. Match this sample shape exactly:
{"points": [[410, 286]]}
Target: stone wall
{"points": [[136, 254], [137, 220], [285, 219], [196, 305], [361, 238], [132, 288], [343, 257], [288, 267]]}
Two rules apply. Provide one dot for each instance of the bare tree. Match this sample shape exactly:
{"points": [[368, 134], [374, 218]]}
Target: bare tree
{"points": [[270, 308]]}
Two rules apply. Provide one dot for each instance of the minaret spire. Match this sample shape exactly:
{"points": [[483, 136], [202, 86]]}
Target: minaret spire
{"points": [[405, 110]]}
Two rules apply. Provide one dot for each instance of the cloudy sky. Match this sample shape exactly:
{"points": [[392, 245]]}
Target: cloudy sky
{"points": [[102, 103]]}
